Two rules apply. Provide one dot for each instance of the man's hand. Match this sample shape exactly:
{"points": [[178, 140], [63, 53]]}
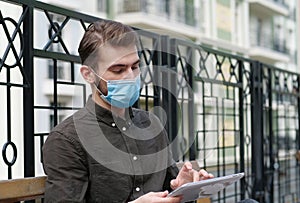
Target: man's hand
{"points": [[188, 174], [157, 197]]}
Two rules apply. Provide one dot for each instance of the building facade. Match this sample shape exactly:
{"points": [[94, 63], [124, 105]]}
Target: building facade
{"points": [[264, 30], [240, 114]]}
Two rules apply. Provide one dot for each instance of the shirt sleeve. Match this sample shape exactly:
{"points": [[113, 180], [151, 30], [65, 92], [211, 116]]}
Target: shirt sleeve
{"points": [[64, 164]]}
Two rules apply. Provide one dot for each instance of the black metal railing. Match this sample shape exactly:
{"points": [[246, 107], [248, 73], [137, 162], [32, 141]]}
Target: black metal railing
{"points": [[229, 113]]}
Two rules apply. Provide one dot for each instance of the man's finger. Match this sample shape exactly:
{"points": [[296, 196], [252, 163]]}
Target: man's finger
{"points": [[196, 176], [187, 166], [205, 175]]}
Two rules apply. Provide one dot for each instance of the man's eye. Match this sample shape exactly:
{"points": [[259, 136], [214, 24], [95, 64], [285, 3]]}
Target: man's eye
{"points": [[117, 70]]}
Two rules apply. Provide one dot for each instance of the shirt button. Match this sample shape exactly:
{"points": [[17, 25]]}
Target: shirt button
{"points": [[135, 158], [113, 124], [137, 189], [124, 128]]}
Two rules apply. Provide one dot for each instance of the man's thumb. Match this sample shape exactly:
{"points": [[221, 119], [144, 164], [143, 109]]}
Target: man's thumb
{"points": [[163, 194], [174, 184]]}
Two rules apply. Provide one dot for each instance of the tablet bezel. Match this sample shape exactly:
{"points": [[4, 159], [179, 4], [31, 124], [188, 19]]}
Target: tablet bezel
{"points": [[195, 190]]}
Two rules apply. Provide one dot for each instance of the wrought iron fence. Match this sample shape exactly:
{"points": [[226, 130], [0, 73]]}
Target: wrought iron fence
{"points": [[229, 113]]}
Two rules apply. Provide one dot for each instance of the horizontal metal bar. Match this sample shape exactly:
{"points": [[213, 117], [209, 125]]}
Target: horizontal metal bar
{"points": [[13, 84], [218, 114], [41, 134], [70, 83], [285, 93], [274, 69], [58, 107], [215, 82], [57, 56], [218, 148], [148, 96], [54, 9], [210, 50]]}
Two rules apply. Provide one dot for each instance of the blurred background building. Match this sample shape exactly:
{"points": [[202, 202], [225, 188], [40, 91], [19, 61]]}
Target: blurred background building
{"points": [[264, 30]]}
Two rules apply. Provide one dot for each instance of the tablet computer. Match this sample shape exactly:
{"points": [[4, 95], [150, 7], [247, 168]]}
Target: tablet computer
{"points": [[205, 188]]}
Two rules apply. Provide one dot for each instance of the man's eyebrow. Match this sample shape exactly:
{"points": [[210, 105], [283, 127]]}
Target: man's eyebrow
{"points": [[137, 61], [123, 65]]}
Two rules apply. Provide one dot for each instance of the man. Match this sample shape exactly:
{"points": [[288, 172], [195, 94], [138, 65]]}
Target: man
{"points": [[108, 151]]}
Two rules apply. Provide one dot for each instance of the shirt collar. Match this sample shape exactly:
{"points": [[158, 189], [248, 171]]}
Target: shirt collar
{"points": [[103, 114]]}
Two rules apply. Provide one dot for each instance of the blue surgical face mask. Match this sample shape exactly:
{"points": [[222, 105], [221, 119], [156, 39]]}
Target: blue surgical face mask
{"points": [[122, 93]]}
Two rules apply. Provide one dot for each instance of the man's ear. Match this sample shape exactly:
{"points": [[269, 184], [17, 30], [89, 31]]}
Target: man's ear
{"points": [[87, 74]]}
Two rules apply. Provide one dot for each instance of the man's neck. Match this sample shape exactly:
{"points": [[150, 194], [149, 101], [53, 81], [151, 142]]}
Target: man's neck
{"points": [[115, 110]]}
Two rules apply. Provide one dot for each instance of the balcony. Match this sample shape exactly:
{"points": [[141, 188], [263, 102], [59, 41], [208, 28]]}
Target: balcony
{"points": [[146, 12], [269, 7], [265, 47]]}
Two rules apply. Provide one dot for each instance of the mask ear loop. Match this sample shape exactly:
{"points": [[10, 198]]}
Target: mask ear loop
{"points": [[96, 86]]}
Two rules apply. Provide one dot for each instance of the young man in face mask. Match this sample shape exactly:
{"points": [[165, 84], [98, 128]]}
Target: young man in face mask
{"points": [[108, 151]]}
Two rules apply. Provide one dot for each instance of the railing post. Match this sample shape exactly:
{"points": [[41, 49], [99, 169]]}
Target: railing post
{"points": [[257, 131], [169, 89], [298, 130], [241, 127], [28, 99], [191, 111], [271, 138]]}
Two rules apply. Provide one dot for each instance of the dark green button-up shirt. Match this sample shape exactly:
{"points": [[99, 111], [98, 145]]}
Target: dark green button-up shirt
{"points": [[94, 156]]}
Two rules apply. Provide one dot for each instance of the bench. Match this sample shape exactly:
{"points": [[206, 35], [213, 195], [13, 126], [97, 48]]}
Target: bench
{"points": [[33, 188], [22, 189]]}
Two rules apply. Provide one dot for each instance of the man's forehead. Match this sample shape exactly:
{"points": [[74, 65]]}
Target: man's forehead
{"points": [[109, 54]]}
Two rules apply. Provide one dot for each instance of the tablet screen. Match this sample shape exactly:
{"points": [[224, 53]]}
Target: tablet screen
{"points": [[205, 188]]}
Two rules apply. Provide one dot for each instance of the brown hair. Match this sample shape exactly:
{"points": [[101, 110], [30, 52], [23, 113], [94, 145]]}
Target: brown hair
{"points": [[105, 31]]}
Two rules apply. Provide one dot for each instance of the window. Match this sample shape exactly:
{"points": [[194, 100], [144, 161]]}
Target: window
{"points": [[131, 6], [189, 13], [60, 70], [60, 116], [101, 6]]}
